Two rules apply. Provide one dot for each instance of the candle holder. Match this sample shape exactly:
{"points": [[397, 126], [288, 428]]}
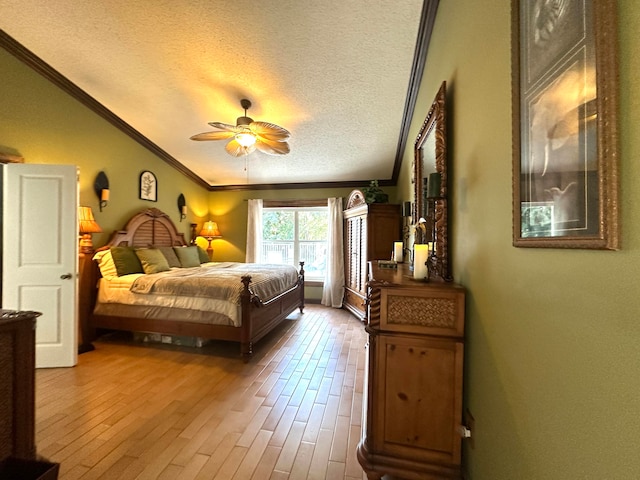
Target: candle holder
{"points": [[406, 233]]}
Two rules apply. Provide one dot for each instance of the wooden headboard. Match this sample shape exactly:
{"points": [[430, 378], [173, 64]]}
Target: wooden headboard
{"points": [[149, 227]]}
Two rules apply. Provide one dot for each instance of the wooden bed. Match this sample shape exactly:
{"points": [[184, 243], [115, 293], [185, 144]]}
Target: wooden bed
{"points": [[153, 227]]}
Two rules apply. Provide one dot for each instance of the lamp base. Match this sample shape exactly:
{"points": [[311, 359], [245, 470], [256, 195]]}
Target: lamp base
{"points": [[86, 245], [210, 250]]}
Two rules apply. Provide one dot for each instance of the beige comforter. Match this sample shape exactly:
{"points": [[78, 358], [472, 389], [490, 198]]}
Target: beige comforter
{"points": [[219, 281]]}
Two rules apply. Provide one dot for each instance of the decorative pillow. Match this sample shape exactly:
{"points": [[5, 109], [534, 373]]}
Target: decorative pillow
{"points": [[126, 260], [188, 256], [152, 260], [202, 255], [170, 255], [105, 264]]}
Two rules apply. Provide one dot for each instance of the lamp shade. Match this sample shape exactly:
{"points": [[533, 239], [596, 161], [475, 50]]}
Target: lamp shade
{"points": [[210, 230], [86, 222]]}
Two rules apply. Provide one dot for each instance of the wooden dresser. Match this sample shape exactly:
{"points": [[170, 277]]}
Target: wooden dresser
{"points": [[413, 388], [369, 232]]}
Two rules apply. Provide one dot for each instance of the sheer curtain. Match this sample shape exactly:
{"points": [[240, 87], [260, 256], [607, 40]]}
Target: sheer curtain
{"points": [[254, 231], [333, 289]]}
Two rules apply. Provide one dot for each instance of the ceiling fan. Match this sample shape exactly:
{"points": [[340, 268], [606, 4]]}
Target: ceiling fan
{"points": [[247, 136]]}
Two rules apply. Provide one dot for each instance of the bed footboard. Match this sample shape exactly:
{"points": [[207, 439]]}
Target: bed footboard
{"points": [[259, 318]]}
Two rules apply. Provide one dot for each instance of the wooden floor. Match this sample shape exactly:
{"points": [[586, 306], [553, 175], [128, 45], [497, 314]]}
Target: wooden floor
{"points": [[131, 410]]}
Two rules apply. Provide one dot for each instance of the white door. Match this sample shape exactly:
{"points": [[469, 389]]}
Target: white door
{"points": [[40, 254]]}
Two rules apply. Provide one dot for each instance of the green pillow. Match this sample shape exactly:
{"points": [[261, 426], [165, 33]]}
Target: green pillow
{"points": [[170, 255], [152, 260], [188, 256], [126, 260], [204, 256]]}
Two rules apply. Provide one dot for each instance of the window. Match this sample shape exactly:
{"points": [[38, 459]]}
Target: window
{"points": [[294, 234]]}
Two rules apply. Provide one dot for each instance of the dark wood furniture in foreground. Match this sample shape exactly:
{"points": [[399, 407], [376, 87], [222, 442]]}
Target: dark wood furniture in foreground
{"points": [[87, 278], [153, 227], [369, 232], [17, 399], [413, 381], [17, 361]]}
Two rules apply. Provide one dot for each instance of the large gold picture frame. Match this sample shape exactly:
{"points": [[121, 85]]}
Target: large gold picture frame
{"points": [[565, 154]]}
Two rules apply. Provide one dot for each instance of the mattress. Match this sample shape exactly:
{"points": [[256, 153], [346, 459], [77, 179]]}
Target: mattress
{"points": [[215, 299]]}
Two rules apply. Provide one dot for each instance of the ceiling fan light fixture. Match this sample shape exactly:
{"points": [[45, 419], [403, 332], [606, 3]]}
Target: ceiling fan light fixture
{"points": [[246, 139], [247, 136]]}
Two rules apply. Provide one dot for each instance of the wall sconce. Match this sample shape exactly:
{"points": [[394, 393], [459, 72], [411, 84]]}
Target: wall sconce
{"points": [[182, 207], [101, 186], [210, 231], [86, 226]]}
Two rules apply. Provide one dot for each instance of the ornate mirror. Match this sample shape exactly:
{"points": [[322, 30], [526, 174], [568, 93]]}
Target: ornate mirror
{"points": [[430, 180]]}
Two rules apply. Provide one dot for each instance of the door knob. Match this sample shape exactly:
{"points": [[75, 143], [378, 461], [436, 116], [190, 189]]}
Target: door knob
{"points": [[66, 276]]}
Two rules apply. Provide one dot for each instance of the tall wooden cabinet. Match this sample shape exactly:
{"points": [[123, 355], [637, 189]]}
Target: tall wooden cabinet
{"points": [[369, 233], [413, 392]]}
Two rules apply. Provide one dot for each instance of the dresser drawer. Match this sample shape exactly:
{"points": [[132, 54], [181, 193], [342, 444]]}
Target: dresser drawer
{"points": [[355, 300], [427, 311]]}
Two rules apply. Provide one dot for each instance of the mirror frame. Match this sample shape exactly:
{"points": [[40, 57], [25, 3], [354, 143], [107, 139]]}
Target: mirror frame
{"points": [[434, 124]]}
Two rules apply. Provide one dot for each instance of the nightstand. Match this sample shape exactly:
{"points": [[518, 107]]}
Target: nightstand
{"points": [[87, 278]]}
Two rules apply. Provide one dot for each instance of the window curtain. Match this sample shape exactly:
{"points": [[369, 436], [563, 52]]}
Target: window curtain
{"points": [[254, 231], [333, 289]]}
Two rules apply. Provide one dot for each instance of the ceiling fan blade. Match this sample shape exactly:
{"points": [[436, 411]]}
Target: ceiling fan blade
{"points": [[270, 131], [224, 126], [271, 147], [213, 136], [235, 149]]}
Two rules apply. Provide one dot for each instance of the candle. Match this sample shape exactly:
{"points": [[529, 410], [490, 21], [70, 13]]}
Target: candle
{"points": [[184, 210], [421, 253], [433, 188], [397, 251], [104, 194]]}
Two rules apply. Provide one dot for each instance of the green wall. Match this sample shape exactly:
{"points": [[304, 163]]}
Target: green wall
{"points": [[229, 209], [552, 363], [43, 124], [553, 336]]}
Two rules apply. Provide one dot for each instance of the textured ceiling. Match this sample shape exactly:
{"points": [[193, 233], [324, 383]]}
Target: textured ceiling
{"points": [[335, 73]]}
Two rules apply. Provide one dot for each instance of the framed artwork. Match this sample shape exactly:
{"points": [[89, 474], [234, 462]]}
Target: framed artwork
{"points": [[148, 186], [565, 161]]}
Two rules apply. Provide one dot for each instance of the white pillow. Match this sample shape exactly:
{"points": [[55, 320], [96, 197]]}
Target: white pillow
{"points": [[106, 264]]}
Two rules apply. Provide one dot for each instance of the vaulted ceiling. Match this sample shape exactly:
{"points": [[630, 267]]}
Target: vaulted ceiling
{"points": [[340, 75]]}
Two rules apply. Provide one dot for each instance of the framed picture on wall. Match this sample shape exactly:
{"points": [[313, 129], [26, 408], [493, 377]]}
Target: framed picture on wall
{"points": [[564, 77], [148, 186]]}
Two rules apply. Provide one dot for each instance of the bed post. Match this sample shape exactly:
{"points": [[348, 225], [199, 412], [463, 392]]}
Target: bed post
{"points": [[301, 284], [246, 345]]}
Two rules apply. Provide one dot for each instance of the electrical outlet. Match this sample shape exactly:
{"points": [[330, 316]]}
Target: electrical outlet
{"points": [[470, 423]]}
